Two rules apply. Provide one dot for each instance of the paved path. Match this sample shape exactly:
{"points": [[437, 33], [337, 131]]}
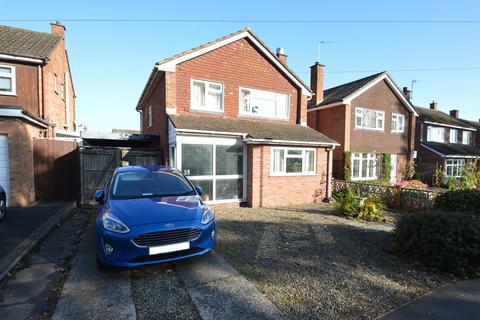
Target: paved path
{"points": [[19, 223], [30, 293], [220, 292], [93, 294], [459, 301]]}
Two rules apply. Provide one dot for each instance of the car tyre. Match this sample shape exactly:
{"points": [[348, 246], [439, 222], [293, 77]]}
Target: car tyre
{"points": [[3, 207]]}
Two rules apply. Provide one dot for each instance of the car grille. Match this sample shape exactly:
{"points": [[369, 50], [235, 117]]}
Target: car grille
{"points": [[166, 237]]}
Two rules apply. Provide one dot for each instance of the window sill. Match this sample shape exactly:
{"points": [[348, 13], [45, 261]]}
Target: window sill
{"points": [[292, 174], [397, 132], [365, 179], [371, 130], [12, 94], [263, 118], [192, 109]]}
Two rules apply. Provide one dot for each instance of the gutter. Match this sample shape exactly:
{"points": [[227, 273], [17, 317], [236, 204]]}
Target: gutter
{"points": [[21, 59], [18, 113], [288, 142]]}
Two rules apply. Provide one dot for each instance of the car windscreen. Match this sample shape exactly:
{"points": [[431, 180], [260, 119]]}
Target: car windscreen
{"points": [[148, 184]]}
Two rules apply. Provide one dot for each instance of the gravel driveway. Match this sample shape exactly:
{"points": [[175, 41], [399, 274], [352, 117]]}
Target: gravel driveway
{"points": [[311, 267]]}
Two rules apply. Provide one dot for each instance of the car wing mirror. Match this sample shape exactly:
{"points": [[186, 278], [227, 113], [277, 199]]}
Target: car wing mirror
{"points": [[100, 196], [199, 190]]}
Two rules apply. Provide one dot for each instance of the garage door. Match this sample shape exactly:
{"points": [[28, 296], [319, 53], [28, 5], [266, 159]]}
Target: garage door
{"points": [[4, 167]]}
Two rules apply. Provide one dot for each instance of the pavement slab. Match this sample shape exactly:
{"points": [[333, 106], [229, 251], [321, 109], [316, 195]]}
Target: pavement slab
{"points": [[220, 292], [93, 294], [459, 301]]}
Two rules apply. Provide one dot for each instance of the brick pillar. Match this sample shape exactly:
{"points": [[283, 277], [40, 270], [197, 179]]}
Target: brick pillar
{"points": [[328, 185]]}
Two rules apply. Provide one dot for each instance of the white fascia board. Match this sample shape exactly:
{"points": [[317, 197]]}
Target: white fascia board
{"points": [[170, 66], [208, 132], [449, 126], [17, 113], [393, 86], [20, 59], [288, 142], [327, 106]]}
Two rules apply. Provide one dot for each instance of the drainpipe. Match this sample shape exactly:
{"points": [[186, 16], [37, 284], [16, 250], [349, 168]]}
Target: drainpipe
{"points": [[328, 189]]}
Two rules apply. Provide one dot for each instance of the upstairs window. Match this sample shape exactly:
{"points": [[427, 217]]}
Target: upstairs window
{"points": [[453, 136], [264, 104], [398, 122], [55, 82], [467, 137], [7, 80], [435, 134], [62, 91], [206, 96], [369, 119], [293, 161]]}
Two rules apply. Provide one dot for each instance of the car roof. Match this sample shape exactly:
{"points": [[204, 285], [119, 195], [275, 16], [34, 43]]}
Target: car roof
{"points": [[145, 168]]}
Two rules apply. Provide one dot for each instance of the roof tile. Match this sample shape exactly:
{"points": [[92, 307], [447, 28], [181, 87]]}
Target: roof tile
{"points": [[27, 43]]}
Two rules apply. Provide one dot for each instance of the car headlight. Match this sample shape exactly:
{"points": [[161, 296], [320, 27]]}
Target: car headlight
{"points": [[207, 215], [112, 223]]}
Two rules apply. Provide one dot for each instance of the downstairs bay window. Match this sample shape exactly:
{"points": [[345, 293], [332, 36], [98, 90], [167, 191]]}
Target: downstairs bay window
{"points": [[454, 167], [364, 166], [293, 161]]}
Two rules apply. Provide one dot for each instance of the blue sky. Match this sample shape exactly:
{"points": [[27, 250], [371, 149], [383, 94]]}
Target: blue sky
{"points": [[111, 61]]}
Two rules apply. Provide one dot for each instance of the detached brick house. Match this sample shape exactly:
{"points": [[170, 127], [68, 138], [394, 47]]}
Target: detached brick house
{"points": [[232, 117], [443, 141], [368, 117], [36, 101]]}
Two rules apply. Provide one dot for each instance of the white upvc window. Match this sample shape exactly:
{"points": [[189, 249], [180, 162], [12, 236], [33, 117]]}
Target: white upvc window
{"points": [[364, 166], [206, 96], [150, 116], [435, 134], [467, 137], [398, 122], [8, 83], [454, 167], [453, 136], [264, 104], [293, 161], [369, 119], [62, 91]]}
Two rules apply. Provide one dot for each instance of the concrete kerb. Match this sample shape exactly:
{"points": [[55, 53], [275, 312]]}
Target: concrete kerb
{"points": [[20, 251]]}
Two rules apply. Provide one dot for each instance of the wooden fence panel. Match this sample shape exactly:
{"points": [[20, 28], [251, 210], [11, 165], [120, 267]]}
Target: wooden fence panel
{"points": [[55, 169]]}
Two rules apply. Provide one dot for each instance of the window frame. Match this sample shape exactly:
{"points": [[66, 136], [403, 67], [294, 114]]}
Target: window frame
{"points": [[466, 134], [429, 135], [398, 116], [370, 157], [55, 82], [361, 127], [455, 163], [303, 156], [250, 114], [450, 136], [149, 116], [206, 108], [13, 78]]}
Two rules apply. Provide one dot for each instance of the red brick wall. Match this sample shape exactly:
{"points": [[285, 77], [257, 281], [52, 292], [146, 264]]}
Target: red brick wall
{"points": [[380, 97], [236, 64], [20, 145], [26, 88], [264, 190]]}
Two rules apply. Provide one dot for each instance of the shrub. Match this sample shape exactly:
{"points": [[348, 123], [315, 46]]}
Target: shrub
{"points": [[350, 204], [409, 171], [387, 167], [459, 200], [347, 166], [441, 241], [413, 184], [470, 178]]}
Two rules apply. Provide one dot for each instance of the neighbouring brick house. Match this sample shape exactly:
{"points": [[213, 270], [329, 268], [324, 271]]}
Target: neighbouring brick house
{"points": [[369, 117], [232, 117], [36, 101], [443, 141]]}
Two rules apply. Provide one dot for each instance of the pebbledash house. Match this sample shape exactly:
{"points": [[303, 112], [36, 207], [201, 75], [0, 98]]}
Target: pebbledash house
{"points": [[232, 116]]}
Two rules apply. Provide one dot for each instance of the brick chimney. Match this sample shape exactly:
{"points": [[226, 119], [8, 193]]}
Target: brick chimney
{"points": [[58, 28], [281, 55], [407, 93], [434, 105], [316, 82], [454, 113]]}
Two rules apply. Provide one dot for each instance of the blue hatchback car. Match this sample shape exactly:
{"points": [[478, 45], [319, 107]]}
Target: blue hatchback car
{"points": [[149, 215]]}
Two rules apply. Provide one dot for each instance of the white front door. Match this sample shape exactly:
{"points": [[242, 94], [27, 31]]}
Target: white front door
{"points": [[4, 166], [393, 174]]}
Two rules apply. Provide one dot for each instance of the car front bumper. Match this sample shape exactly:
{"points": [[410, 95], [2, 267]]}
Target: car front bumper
{"points": [[128, 254]]}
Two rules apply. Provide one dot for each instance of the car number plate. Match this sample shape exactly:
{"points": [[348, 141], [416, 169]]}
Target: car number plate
{"points": [[169, 248]]}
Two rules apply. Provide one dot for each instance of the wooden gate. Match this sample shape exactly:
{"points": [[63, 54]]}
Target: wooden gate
{"points": [[98, 164], [55, 169]]}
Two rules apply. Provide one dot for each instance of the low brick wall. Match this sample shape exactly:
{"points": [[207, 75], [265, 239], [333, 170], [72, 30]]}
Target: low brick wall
{"points": [[400, 198]]}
